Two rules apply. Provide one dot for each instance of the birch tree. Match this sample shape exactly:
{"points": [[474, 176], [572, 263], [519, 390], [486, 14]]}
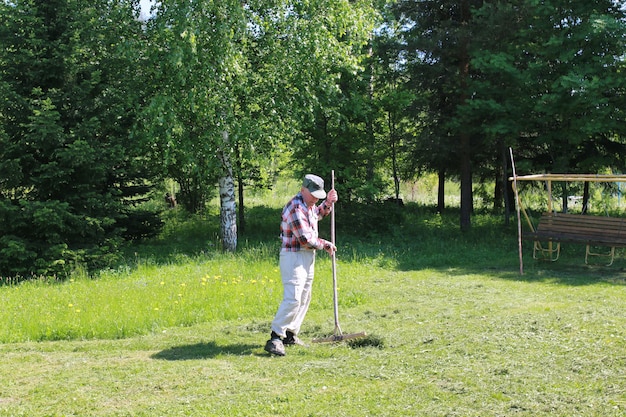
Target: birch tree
{"points": [[234, 77]]}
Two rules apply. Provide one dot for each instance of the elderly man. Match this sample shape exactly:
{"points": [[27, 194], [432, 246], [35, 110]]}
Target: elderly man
{"points": [[297, 260]]}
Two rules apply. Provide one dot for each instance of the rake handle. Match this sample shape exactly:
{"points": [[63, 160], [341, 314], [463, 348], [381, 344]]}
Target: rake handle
{"points": [[334, 260]]}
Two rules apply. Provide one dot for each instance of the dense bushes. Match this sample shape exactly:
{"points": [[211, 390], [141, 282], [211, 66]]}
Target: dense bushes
{"points": [[71, 172], [46, 238], [370, 220]]}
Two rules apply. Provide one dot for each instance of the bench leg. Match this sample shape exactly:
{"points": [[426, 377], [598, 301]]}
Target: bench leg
{"points": [[546, 254], [611, 255]]}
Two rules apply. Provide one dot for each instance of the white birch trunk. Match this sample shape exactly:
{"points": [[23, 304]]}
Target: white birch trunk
{"points": [[228, 209]]}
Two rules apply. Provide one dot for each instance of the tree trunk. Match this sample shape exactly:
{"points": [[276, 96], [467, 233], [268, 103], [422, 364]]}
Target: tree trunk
{"points": [[498, 190], [394, 155], [192, 195], [505, 184], [228, 210], [370, 165], [464, 137], [466, 183], [441, 190], [585, 198], [241, 209]]}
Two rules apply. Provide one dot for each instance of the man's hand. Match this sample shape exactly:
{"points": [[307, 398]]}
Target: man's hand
{"points": [[330, 248], [331, 197]]}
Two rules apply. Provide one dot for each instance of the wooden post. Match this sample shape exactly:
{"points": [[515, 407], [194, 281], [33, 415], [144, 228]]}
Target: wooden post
{"points": [[550, 211], [519, 218], [549, 183]]}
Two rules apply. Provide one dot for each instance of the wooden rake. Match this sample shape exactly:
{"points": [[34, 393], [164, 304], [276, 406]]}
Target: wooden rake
{"points": [[338, 336]]}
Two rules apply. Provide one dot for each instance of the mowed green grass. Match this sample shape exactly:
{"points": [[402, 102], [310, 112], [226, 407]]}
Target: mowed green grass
{"points": [[453, 330]]}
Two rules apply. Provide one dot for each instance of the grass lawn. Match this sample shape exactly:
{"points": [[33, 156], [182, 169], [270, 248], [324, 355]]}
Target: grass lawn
{"points": [[454, 330]]}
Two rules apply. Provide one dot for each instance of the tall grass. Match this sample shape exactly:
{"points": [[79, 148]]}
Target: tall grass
{"points": [[182, 278], [161, 286], [146, 298]]}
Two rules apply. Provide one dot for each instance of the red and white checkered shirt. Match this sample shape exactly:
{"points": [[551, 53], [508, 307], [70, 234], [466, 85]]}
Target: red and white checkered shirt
{"points": [[298, 229]]}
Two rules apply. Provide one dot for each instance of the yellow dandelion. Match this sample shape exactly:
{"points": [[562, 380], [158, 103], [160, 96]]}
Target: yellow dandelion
{"points": [[78, 310], [70, 305], [162, 282], [253, 281], [180, 295], [183, 285], [156, 308]]}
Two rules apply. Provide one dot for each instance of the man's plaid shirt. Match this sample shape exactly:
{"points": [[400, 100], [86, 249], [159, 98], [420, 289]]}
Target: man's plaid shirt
{"points": [[298, 229]]}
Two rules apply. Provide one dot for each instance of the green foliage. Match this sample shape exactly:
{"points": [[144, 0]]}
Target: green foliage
{"points": [[67, 163], [33, 237], [253, 70], [372, 220], [140, 223], [336, 114], [552, 89], [543, 77]]}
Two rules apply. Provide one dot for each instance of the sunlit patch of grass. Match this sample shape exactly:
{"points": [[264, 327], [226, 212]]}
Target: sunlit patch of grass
{"points": [[150, 298]]}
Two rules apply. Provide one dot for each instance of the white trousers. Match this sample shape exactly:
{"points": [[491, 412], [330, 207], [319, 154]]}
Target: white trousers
{"points": [[296, 270]]}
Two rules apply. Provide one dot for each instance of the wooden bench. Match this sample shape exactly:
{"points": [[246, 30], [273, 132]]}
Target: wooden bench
{"points": [[556, 228]]}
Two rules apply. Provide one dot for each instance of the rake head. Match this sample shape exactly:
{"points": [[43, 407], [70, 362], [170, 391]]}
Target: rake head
{"points": [[339, 337]]}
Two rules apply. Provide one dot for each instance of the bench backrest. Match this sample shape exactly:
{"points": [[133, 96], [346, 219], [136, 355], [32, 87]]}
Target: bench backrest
{"points": [[584, 227]]}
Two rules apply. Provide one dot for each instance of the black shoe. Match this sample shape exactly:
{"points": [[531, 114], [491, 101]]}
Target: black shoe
{"points": [[292, 339], [275, 347]]}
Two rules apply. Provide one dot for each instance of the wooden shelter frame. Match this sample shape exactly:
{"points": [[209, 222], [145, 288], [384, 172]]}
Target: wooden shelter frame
{"points": [[549, 179]]}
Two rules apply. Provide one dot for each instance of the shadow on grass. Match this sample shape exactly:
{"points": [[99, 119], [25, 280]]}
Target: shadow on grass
{"points": [[572, 274], [203, 351]]}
